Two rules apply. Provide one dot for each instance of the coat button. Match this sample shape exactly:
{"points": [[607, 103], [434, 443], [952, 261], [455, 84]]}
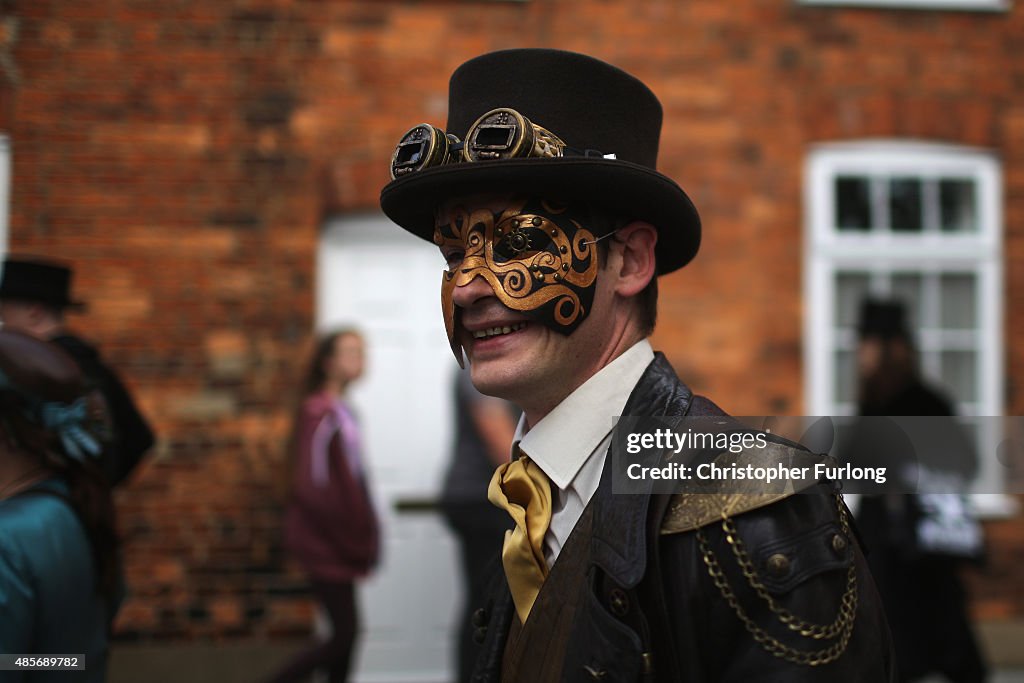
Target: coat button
{"points": [[595, 673], [479, 634], [619, 602], [839, 543], [479, 617], [778, 565]]}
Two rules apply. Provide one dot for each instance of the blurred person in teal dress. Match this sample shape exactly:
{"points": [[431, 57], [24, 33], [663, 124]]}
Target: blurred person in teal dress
{"points": [[59, 572]]}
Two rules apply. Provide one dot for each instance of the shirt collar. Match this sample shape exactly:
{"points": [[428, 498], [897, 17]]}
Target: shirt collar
{"points": [[563, 440]]}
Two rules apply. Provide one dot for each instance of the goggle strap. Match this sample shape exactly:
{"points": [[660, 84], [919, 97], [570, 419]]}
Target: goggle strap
{"points": [[425, 145], [588, 153], [455, 148]]}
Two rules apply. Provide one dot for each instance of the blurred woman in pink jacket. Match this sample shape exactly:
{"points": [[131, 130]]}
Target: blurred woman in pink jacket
{"points": [[330, 526]]}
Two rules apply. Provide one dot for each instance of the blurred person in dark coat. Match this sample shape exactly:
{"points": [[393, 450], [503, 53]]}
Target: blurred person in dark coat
{"points": [[484, 426], [916, 569], [59, 572], [34, 298], [331, 527]]}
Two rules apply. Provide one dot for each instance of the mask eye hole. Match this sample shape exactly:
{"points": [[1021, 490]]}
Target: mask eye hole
{"points": [[520, 243], [452, 259], [517, 242]]}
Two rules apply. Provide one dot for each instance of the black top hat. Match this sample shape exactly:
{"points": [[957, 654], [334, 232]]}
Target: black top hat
{"points": [[882, 318], [37, 280], [593, 107]]}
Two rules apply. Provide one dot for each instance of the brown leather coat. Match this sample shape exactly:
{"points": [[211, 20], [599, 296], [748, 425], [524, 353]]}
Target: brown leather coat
{"points": [[652, 611]]}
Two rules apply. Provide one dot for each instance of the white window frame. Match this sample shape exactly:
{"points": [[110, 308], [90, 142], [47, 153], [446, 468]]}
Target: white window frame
{"points": [[828, 250], [966, 5], [5, 191]]}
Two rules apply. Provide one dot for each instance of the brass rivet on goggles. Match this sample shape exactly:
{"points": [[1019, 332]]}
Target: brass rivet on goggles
{"points": [[498, 134]]}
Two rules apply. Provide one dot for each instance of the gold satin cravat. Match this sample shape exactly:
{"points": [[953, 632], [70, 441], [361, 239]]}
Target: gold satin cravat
{"points": [[522, 489]]}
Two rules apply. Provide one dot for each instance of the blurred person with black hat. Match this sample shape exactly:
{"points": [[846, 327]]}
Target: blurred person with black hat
{"points": [[543, 196], [59, 572], [35, 296], [917, 542]]}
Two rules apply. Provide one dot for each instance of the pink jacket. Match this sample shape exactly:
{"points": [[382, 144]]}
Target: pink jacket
{"points": [[331, 527]]}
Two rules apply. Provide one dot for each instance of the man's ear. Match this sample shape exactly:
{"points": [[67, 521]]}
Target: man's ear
{"points": [[636, 242]]}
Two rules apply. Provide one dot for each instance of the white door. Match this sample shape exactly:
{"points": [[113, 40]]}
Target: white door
{"points": [[387, 283]]}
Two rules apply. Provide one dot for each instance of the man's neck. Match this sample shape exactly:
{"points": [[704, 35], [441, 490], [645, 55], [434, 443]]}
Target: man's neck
{"points": [[539, 410]]}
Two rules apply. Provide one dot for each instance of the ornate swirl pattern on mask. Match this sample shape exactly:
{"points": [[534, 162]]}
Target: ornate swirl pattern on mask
{"points": [[536, 256]]}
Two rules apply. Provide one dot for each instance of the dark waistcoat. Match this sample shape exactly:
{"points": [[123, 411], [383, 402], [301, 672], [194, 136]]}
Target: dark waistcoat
{"points": [[535, 651]]}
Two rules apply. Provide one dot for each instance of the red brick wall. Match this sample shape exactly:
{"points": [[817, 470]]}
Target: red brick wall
{"points": [[153, 146], [182, 154]]}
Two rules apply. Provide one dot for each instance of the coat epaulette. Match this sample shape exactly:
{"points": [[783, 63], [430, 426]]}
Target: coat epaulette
{"points": [[716, 499]]}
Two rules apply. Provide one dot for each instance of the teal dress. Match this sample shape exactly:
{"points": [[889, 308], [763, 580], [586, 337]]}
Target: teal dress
{"points": [[48, 598]]}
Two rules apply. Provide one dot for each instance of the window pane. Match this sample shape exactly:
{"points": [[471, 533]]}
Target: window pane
{"points": [[958, 301], [906, 288], [905, 205], [851, 288], [958, 204], [959, 373], [845, 377], [853, 203]]}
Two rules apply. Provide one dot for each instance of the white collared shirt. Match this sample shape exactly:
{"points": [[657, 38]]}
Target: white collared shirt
{"points": [[571, 442]]}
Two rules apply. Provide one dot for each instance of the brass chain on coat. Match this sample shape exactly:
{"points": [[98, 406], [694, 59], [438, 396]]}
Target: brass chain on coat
{"points": [[841, 627]]}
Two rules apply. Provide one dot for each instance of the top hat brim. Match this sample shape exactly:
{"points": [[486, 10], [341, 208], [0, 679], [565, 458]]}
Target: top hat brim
{"points": [[627, 189], [19, 293]]}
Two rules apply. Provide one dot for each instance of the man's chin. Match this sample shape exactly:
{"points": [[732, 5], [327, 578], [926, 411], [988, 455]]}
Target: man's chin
{"points": [[494, 377]]}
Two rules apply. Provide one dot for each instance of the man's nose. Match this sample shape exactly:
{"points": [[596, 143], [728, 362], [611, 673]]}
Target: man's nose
{"points": [[468, 294]]}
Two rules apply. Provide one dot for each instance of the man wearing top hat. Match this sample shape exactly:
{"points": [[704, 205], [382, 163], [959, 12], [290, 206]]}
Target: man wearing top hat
{"points": [[543, 198], [919, 541], [35, 295]]}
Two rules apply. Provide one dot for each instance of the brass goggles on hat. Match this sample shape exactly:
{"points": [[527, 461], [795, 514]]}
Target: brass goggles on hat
{"points": [[498, 134]]}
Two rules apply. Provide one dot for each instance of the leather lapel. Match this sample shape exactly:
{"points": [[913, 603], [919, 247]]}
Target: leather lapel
{"points": [[620, 521]]}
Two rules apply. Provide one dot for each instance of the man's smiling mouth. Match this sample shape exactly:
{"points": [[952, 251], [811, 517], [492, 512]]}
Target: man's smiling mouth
{"points": [[498, 331]]}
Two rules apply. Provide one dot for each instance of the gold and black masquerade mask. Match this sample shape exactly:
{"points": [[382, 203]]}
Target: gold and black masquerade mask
{"points": [[536, 256], [498, 134]]}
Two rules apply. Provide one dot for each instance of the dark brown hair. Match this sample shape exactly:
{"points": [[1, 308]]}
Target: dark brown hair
{"points": [[89, 493], [312, 382], [315, 376]]}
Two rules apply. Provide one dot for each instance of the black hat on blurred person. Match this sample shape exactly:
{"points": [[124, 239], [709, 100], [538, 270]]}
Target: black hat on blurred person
{"points": [[609, 121], [883, 318], [47, 282]]}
